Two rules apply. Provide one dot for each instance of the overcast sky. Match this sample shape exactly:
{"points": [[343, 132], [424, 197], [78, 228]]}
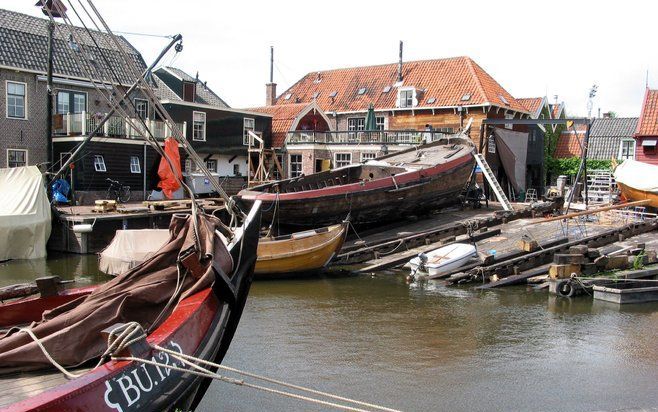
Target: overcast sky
{"points": [[531, 48]]}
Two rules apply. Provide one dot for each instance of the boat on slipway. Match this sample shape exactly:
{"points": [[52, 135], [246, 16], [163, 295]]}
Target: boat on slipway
{"points": [[442, 260], [638, 181], [410, 181]]}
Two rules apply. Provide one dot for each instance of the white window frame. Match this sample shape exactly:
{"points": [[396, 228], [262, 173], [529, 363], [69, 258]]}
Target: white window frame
{"points": [[135, 167], [404, 103], [370, 156], [210, 162], [27, 153], [138, 112], [246, 128], [336, 161], [301, 165], [380, 125], [194, 137], [99, 166], [7, 82], [621, 149], [71, 108]]}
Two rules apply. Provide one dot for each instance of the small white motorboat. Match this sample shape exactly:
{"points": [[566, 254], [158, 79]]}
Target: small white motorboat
{"points": [[442, 260]]}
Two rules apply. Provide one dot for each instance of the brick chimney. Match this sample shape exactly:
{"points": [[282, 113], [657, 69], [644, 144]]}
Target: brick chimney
{"points": [[270, 94]]}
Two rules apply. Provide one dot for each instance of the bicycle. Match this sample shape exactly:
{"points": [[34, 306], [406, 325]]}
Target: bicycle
{"points": [[118, 191]]}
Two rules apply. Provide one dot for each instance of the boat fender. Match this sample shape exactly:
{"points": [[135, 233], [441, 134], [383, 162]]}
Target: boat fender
{"points": [[565, 288], [83, 228]]}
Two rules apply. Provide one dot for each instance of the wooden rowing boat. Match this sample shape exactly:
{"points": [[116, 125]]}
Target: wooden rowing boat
{"points": [[410, 181], [299, 252], [202, 324]]}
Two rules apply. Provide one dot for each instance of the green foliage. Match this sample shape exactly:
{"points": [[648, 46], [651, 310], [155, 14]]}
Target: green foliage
{"points": [[638, 262], [569, 166]]}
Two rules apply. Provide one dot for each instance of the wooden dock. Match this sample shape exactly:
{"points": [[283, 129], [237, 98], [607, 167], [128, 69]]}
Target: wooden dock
{"points": [[70, 223]]}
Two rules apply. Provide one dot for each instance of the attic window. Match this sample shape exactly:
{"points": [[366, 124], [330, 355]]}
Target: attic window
{"points": [[503, 99], [466, 97], [189, 91], [361, 91], [386, 89], [73, 45], [333, 94], [431, 100], [316, 94], [288, 96]]}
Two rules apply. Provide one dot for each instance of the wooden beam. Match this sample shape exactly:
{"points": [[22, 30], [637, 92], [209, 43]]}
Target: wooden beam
{"points": [[592, 211]]}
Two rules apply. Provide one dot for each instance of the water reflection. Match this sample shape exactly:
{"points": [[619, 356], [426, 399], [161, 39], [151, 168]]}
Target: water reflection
{"points": [[424, 346]]}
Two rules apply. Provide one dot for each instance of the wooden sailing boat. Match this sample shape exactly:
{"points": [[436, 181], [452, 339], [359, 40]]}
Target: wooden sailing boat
{"points": [[410, 181], [186, 299], [638, 181], [299, 252]]}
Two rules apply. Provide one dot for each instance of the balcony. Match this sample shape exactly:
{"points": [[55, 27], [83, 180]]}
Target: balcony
{"points": [[81, 124], [364, 137]]}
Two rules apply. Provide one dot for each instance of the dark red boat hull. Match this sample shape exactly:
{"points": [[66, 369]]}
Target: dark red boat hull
{"points": [[373, 201], [202, 325]]}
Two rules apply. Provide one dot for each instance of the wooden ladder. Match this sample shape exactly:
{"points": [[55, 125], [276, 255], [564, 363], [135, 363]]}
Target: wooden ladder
{"points": [[488, 174]]}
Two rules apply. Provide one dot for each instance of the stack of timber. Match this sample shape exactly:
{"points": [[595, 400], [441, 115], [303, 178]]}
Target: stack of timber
{"points": [[519, 266], [104, 206]]}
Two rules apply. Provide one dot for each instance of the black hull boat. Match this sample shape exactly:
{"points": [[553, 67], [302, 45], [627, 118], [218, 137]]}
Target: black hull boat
{"points": [[408, 182]]}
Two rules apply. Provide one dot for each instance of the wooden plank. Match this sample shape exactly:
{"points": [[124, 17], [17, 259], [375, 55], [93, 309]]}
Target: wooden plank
{"points": [[401, 258], [592, 211], [516, 279]]}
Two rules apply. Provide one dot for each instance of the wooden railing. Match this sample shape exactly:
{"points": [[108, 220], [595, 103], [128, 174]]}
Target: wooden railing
{"points": [[81, 124], [364, 137]]}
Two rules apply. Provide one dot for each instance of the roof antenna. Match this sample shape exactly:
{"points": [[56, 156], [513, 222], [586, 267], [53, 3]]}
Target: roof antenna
{"points": [[400, 63], [271, 64]]}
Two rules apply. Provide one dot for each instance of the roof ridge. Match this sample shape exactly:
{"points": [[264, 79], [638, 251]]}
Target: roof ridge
{"points": [[478, 82], [385, 64]]}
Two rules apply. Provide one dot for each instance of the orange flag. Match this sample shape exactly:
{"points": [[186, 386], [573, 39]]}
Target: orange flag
{"points": [[168, 182]]}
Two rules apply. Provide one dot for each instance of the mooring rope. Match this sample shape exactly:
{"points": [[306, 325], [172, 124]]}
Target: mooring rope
{"points": [[203, 372]]}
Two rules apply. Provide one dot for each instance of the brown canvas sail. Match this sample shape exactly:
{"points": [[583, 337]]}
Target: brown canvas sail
{"points": [[72, 332]]}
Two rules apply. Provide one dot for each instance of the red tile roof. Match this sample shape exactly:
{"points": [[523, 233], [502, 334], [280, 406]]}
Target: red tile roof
{"points": [[648, 124], [556, 110], [447, 81], [568, 143], [532, 104], [283, 116]]}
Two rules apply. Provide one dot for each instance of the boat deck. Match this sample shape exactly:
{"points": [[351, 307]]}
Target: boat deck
{"points": [[19, 386], [427, 156]]}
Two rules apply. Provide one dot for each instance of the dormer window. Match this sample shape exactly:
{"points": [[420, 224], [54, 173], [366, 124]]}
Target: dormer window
{"points": [[407, 97], [189, 91]]}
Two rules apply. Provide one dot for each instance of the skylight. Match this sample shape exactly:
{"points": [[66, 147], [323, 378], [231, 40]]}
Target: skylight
{"points": [[503, 99], [316, 94], [288, 96], [466, 97], [333, 94], [361, 91], [386, 89], [431, 100]]}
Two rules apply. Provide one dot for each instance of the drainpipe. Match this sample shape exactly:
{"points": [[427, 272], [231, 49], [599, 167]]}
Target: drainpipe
{"points": [[49, 104], [144, 174]]}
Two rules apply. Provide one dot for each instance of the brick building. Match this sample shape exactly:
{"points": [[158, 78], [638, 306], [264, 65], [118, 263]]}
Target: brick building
{"points": [[412, 101], [646, 135]]}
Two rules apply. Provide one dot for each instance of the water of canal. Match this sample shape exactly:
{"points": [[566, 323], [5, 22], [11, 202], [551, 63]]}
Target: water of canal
{"points": [[425, 347]]}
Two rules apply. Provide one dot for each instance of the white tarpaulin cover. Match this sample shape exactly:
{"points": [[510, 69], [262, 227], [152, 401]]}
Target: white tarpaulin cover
{"points": [[638, 175], [129, 248], [24, 213]]}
